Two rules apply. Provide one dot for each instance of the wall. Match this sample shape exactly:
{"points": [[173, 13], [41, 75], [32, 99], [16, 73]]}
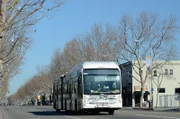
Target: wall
{"points": [[169, 82]]}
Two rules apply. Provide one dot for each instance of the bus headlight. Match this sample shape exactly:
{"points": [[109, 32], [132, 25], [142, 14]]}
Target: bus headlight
{"points": [[118, 99], [85, 98]]}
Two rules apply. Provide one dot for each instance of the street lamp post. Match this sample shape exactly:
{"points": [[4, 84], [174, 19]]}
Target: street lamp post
{"points": [[179, 95], [149, 71], [151, 78], [151, 90]]}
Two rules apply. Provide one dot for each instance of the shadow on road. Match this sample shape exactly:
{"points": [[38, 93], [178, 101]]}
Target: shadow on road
{"points": [[64, 113]]}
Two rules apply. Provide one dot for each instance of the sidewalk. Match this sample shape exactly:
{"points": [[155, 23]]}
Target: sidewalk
{"points": [[136, 108], [167, 109], [153, 109]]}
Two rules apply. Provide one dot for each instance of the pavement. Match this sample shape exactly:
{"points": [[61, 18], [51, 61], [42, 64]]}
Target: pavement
{"points": [[153, 109], [136, 108], [0, 114]]}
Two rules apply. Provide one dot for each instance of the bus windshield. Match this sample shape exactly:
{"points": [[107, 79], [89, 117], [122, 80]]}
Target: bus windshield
{"points": [[101, 81]]}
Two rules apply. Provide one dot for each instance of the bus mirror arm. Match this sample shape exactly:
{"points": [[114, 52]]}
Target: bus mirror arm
{"points": [[78, 81]]}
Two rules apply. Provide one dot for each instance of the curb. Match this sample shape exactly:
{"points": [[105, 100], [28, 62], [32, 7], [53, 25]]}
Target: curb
{"points": [[136, 108], [144, 109], [153, 109]]}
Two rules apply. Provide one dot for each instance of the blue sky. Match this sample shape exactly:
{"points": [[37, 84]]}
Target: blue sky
{"points": [[77, 17]]}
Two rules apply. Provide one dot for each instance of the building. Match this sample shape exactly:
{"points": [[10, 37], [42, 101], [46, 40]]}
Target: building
{"points": [[162, 85]]}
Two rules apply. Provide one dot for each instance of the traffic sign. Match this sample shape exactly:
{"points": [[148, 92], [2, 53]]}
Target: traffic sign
{"points": [[148, 62]]}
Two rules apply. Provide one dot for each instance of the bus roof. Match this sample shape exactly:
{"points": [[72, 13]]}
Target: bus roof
{"points": [[89, 65], [95, 65]]}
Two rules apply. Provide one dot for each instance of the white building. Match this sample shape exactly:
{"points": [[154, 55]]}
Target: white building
{"points": [[165, 79]]}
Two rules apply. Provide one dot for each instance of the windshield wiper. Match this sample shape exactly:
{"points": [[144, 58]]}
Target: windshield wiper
{"points": [[107, 92]]}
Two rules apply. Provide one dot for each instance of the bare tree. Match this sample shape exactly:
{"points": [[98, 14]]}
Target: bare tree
{"points": [[133, 40], [158, 76], [30, 89], [16, 17], [46, 78], [71, 53], [100, 44], [58, 65], [39, 84], [12, 99], [4, 88], [146, 36]]}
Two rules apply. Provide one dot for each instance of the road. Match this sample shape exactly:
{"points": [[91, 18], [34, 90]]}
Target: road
{"points": [[47, 112]]}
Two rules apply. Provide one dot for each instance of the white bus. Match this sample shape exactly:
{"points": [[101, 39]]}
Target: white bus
{"points": [[91, 87]]}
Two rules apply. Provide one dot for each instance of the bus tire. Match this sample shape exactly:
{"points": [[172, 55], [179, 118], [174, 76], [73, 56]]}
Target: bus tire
{"points": [[75, 105], [65, 105], [57, 110], [95, 112], [54, 105], [111, 112]]}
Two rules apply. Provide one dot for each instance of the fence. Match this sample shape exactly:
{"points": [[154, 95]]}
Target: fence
{"points": [[169, 101]]}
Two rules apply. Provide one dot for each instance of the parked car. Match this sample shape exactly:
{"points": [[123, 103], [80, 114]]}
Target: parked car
{"points": [[48, 103]]}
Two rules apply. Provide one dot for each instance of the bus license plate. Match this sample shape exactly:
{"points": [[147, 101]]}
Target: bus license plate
{"points": [[102, 105]]}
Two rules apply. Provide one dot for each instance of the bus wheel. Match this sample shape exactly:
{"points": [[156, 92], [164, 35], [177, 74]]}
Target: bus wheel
{"points": [[75, 105], [57, 110], [95, 112], [111, 112]]}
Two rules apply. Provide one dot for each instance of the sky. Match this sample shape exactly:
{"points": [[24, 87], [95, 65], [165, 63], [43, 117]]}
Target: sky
{"points": [[77, 17]]}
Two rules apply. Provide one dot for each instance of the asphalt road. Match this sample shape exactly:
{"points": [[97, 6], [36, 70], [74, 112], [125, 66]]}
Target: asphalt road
{"points": [[47, 112]]}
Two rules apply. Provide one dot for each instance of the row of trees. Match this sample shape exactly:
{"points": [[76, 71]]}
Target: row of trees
{"points": [[16, 19], [131, 39], [39, 84]]}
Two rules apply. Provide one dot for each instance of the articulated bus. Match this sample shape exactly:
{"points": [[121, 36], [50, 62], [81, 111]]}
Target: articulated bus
{"points": [[91, 87]]}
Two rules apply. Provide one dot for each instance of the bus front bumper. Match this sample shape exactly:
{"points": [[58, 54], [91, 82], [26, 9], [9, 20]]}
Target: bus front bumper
{"points": [[108, 106]]}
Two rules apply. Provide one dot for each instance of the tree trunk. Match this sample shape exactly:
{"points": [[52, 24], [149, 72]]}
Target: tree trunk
{"points": [[157, 99], [142, 94], [1, 28], [2, 23]]}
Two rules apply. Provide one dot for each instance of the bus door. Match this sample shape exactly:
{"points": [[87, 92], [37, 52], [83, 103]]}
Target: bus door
{"points": [[79, 91], [57, 93], [79, 86], [61, 92]]}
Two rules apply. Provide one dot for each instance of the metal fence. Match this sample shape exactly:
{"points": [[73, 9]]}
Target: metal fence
{"points": [[169, 101]]}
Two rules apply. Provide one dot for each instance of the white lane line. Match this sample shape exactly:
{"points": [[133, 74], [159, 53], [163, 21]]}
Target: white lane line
{"points": [[162, 117], [71, 117], [32, 109]]}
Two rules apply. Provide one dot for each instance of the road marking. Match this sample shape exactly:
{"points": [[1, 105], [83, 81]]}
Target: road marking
{"points": [[162, 117], [32, 109], [71, 117]]}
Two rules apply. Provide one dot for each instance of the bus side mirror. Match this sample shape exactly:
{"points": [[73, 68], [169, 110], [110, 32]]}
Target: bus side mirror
{"points": [[79, 80]]}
